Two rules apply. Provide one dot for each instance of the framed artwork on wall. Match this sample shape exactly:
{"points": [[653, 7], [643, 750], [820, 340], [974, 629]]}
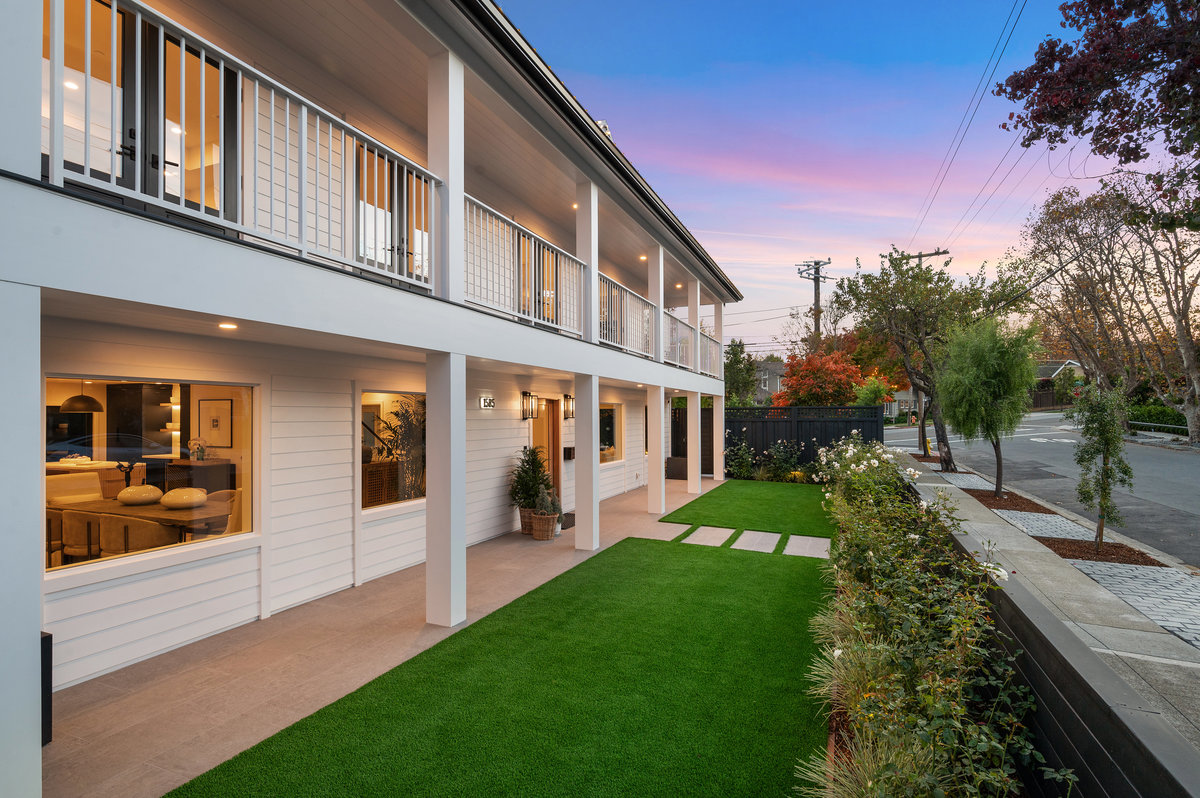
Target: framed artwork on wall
{"points": [[215, 422]]}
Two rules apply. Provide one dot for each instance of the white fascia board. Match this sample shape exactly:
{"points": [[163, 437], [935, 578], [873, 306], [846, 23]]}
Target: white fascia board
{"points": [[59, 242]]}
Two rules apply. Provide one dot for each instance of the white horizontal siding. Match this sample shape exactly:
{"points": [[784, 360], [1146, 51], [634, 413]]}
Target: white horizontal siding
{"points": [[495, 438], [612, 479], [394, 541], [100, 627], [311, 472]]}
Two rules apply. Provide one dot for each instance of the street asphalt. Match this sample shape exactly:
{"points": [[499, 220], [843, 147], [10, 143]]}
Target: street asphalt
{"points": [[1162, 510]]}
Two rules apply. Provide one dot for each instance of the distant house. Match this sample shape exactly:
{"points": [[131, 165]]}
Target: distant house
{"points": [[767, 377], [1052, 368]]}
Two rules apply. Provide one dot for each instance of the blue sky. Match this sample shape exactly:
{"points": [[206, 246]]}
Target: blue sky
{"points": [[784, 131]]}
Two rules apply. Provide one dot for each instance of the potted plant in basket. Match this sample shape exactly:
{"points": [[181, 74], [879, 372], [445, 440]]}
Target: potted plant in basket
{"points": [[527, 476], [545, 515]]}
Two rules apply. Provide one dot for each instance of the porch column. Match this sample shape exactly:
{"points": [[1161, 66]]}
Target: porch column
{"points": [[693, 442], [446, 160], [693, 294], [587, 462], [21, 90], [718, 436], [719, 334], [656, 482], [654, 279], [445, 494], [587, 249], [22, 506]]}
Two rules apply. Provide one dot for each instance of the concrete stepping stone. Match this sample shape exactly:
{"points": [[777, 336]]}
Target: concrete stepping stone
{"points": [[757, 541], [709, 536], [802, 546]]}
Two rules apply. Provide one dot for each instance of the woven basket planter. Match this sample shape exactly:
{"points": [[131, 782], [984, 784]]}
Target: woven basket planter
{"points": [[542, 526], [526, 520]]}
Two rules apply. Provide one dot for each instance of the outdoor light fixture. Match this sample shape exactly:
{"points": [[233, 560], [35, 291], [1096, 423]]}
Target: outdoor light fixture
{"points": [[679, 285], [568, 406], [641, 257], [81, 403], [529, 405]]}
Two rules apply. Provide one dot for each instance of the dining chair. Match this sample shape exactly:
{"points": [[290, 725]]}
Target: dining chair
{"points": [[233, 524], [64, 489], [54, 541], [120, 534], [80, 534]]}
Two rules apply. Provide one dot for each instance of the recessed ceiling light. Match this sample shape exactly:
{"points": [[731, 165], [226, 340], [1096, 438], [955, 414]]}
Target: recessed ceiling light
{"points": [[72, 85], [640, 385], [227, 325], [574, 206], [87, 382], [641, 257], [679, 285]]}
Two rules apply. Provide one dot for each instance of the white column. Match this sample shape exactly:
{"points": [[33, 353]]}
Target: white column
{"points": [[693, 292], [693, 442], [654, 281], [718, 433], [656, 481], [446, 160], [587, 249], [719, 334], [587, 462], [21, 89], [22, 506], [445, 495]]}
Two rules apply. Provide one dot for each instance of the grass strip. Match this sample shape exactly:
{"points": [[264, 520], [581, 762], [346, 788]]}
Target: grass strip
{"points": [[729, 541], [649, 669], [765, 506], [680, 537], [782, 544]]}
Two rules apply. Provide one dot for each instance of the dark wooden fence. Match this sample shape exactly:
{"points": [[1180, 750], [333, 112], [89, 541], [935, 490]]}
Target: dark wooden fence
{"points": [[679, 436], [813, 427]]}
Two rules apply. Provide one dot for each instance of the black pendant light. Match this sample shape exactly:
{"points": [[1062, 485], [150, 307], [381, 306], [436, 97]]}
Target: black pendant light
{"points": [[81, 403]]}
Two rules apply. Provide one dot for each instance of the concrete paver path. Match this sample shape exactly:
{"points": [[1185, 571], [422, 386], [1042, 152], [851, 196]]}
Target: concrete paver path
{"points": [[802, 546], [757, 541], [709, 536]]}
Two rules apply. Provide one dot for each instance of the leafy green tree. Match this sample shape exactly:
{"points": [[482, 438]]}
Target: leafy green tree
{"points": [[875, 390], [1100, 455], [985, 388], [1064, 386], [740, 371]]}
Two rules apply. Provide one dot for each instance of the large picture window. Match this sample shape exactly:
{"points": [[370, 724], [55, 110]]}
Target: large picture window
{"points": [[133, 466], [393, 448], [611, 449]]}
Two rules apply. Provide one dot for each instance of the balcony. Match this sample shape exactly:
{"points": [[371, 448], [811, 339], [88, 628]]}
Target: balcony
{"points": [[161, 119]]}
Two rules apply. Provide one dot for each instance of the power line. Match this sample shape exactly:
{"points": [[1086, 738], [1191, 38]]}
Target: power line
{"points": [[763, 310], [982, 188], [756, 321], [982, 205], [963, 138]]}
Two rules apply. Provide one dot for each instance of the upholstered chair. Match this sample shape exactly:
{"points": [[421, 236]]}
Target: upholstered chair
{"points": [[120, 534], [54, 540], [80, 534]]}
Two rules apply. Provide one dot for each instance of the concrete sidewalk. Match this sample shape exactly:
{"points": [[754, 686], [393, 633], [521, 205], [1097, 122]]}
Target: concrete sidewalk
{"points": [[1159, 665]]}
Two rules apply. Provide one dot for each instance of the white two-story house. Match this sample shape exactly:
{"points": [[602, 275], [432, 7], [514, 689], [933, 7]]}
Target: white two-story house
{"points": [[335, 264]]}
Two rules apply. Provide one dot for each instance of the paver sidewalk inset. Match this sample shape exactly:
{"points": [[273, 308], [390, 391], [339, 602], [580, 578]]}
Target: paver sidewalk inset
{"points": [[1168, 597], [709, 536], [966, 480], [1044, 525], [757, 541], [801, 546]]}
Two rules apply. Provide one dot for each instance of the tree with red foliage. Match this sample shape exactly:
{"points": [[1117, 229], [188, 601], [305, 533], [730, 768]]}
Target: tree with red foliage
{"points": [[819, 379], [1131, 78]]}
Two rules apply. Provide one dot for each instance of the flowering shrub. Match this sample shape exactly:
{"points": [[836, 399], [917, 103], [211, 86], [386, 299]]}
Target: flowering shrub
{"points": [[911, 658], [779, 463], [739, 459]]}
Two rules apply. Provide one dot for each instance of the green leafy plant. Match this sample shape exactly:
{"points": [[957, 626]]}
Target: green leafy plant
{"points": [[401, 438], [739, 459], [780, 461], [527, 477], [1099, 454]]}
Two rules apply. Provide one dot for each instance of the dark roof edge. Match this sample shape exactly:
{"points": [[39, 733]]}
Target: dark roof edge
{"points": [[496, 27]]}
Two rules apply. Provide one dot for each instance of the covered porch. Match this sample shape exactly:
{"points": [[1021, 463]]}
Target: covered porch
{"points": [[152, 726]]}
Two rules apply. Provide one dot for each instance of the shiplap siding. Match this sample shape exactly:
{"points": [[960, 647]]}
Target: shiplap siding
{"points": [[312, 488], [107, 625], [393, 540], [495, 437]]}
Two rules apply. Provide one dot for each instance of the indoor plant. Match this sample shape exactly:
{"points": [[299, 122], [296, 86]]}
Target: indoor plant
{"points": [[527, 476]]}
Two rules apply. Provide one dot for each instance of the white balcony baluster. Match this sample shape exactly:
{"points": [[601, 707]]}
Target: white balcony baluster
{"points": [[626, 319], [679, 341]]}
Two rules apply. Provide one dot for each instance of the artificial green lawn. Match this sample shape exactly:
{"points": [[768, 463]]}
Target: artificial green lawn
{"points": [[783, 507], [649, 669]]}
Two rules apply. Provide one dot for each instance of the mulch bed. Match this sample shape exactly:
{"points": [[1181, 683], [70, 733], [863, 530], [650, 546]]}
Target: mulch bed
{"points": [[1110, 552], [1008, 501], [933, 458]]}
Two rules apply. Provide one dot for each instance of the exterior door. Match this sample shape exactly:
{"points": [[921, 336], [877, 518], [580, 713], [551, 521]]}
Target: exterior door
{"points": [[547, 434]]}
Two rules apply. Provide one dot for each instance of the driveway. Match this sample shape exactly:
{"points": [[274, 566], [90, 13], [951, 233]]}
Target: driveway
{"points": [[1162, 510]]}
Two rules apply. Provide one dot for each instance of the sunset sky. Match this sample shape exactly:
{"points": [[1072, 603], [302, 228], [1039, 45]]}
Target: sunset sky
{"points": [[785, 131]]}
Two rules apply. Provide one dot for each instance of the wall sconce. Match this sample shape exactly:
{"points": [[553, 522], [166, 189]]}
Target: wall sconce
{"points": [[529, 405], [568, 406]]}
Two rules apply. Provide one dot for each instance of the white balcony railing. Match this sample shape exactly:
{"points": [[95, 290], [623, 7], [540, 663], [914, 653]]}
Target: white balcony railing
{"points": [[135, 105], [511, 269], [626, 319], [710, 356], [678, 334]]}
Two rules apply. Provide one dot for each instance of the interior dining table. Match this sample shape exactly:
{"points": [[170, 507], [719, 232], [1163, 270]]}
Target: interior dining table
{"points": [[187, 518]]}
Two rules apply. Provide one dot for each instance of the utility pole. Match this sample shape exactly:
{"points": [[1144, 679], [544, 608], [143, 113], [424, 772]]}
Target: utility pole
{"points": [[922, 437], [812, 269]]}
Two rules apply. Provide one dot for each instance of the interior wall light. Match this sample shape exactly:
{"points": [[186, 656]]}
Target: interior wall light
{"points": [[81, 403], [529, 405], [568, 406]]}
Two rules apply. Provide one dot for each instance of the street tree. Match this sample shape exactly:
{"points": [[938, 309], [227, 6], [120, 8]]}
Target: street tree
{"points": [[740, 374], [1100, 416], [818, 380], [874, 390], [915, 305], [985, 386], [1128, 82]]}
